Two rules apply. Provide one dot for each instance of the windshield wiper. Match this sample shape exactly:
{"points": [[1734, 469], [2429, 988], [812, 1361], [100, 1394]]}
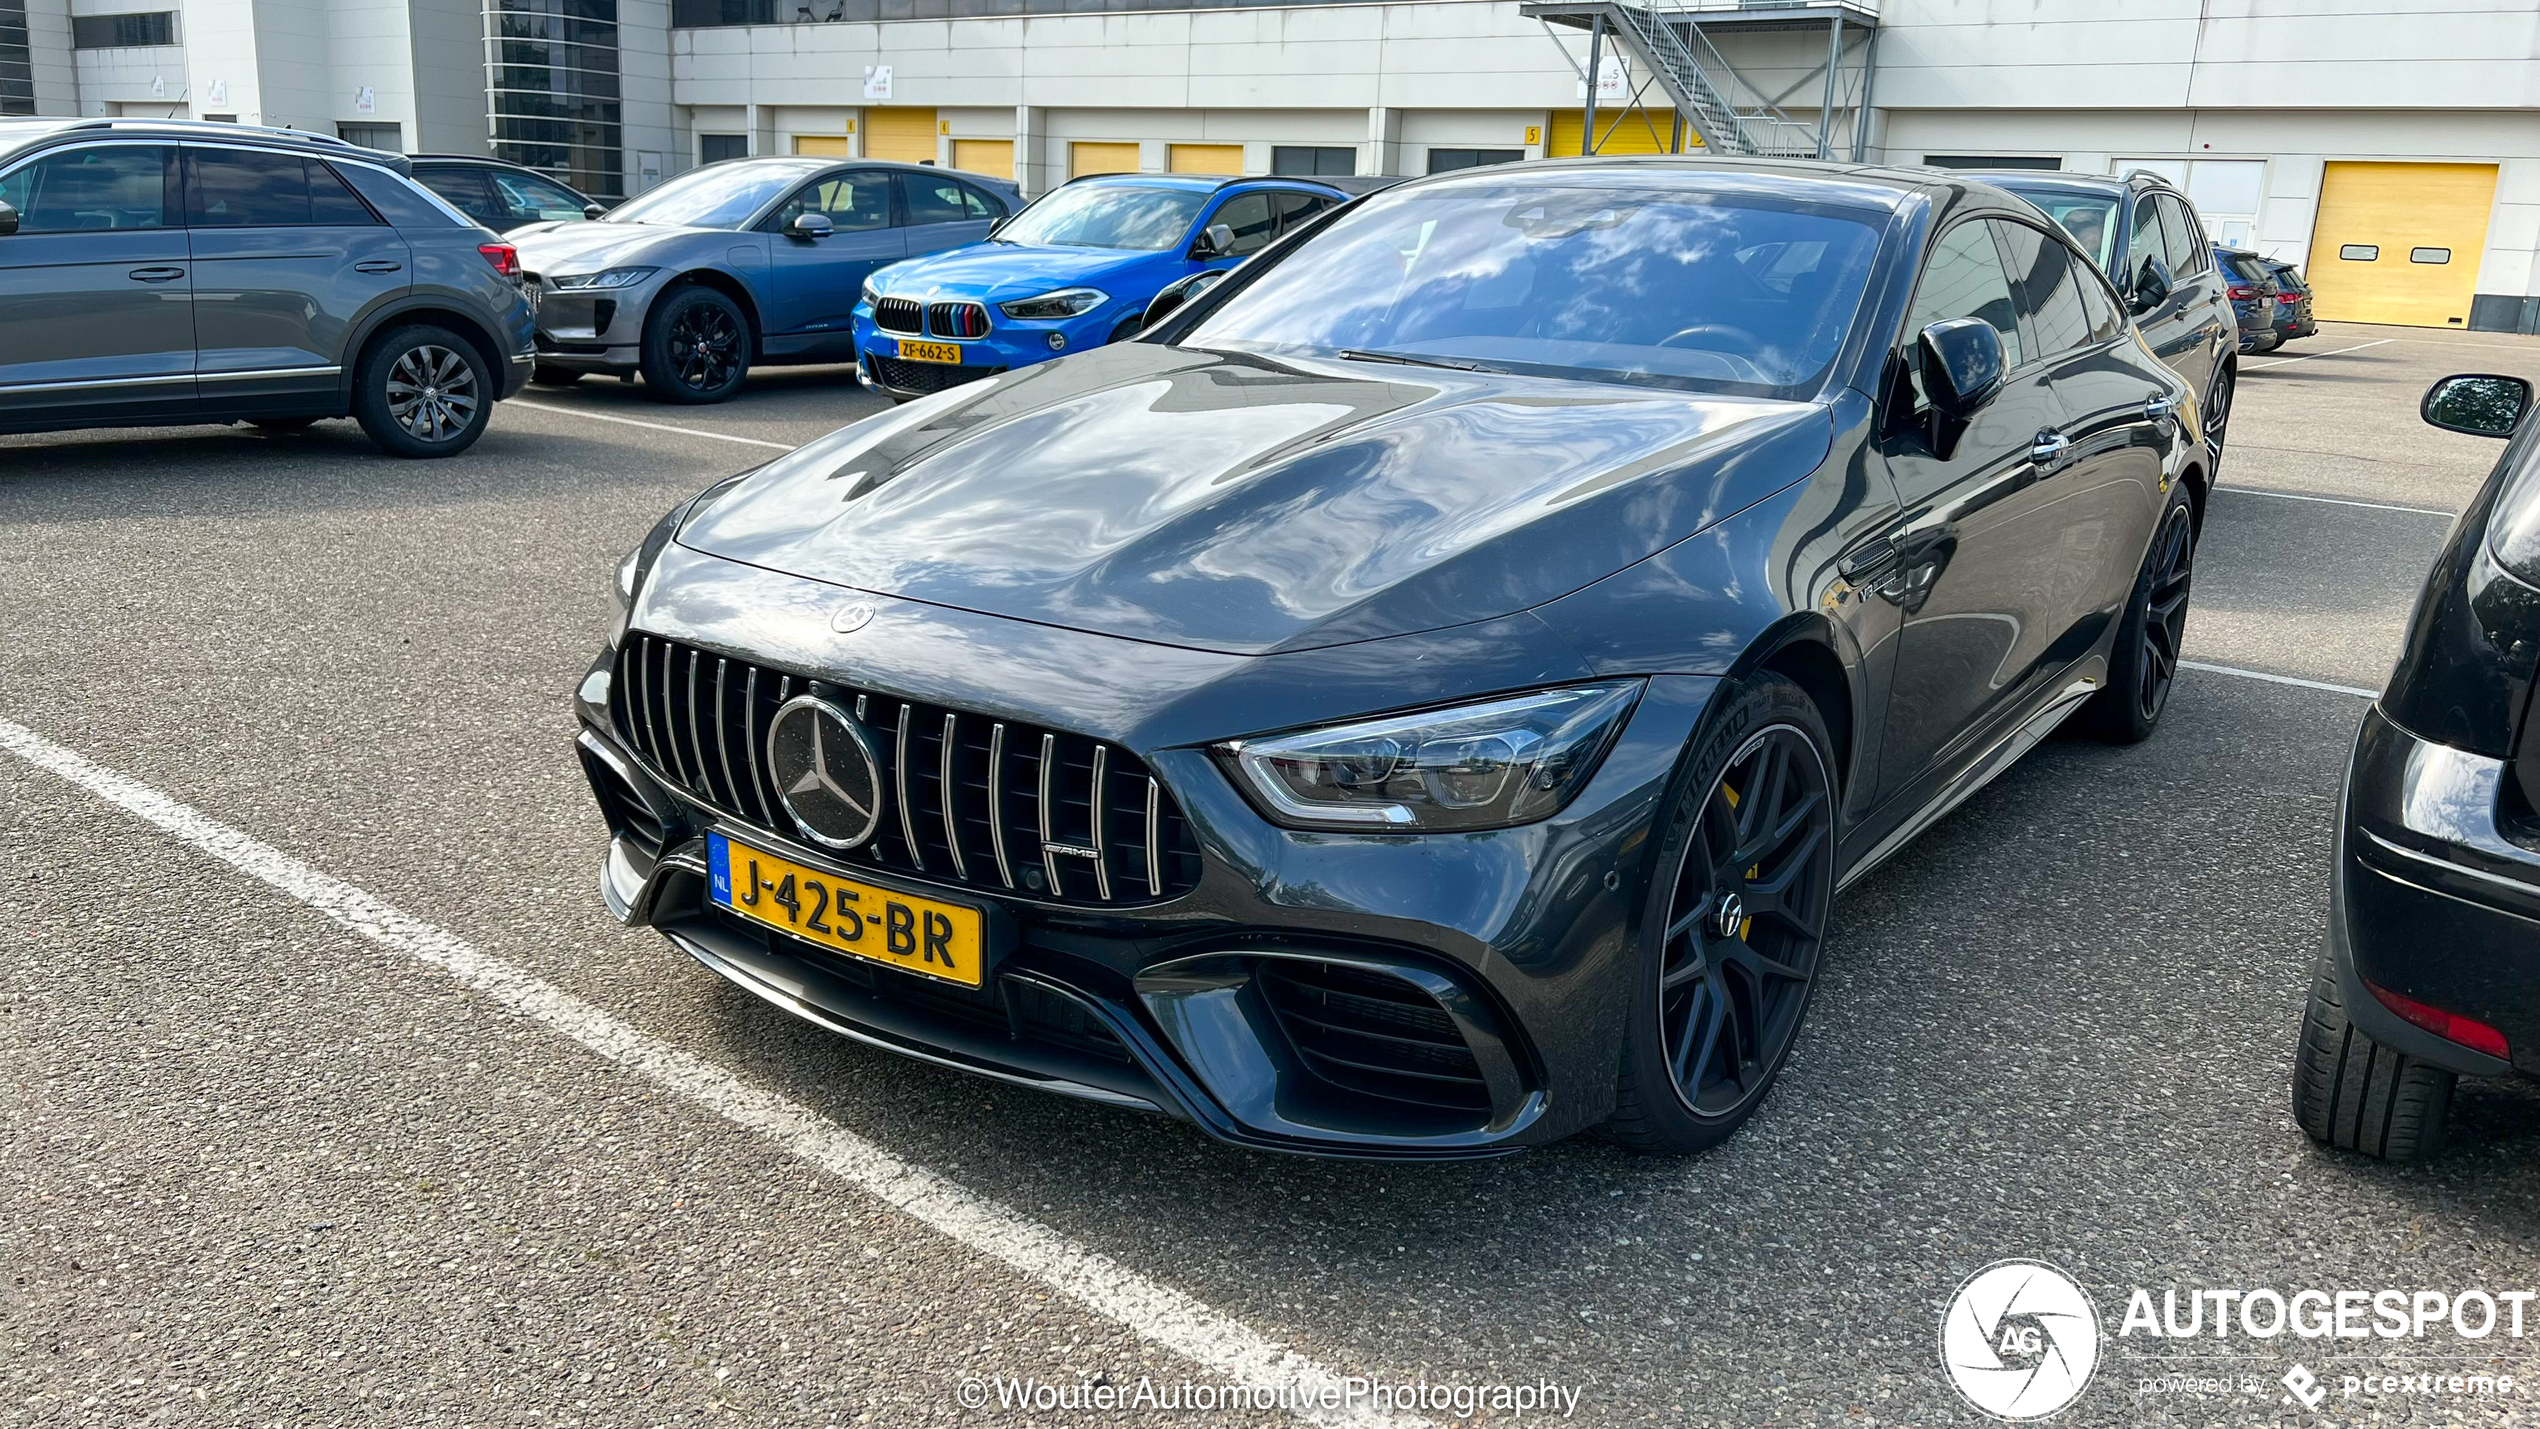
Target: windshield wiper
{"points": [[1405, 360]]}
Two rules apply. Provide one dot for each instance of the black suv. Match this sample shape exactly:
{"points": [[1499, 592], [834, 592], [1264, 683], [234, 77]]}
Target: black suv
{"points": [[154, 273], [502, 196], [2147, 239]]}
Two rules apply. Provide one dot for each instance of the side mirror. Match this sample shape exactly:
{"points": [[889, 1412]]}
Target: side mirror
{"points": [[809, 226], [1000, 223], [2152, 285], [8, 220], [592, 211], [1962, 365], [1213, 241], [2478, 403], [1178, 295]]}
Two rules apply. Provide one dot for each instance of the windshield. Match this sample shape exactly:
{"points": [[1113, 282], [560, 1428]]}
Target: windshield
{"points": [[1140, 216], [2090, 218], [716, 196], [1674, 286]]}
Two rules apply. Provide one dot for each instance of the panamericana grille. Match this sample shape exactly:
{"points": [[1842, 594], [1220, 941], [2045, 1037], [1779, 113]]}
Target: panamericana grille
{"points": [[968, 799], [923, 376], [1375, 1035], [957, 320], [899, 315]]}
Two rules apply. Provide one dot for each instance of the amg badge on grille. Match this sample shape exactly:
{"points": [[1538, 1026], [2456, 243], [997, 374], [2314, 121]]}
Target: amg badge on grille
{"points": [[825, 772]]}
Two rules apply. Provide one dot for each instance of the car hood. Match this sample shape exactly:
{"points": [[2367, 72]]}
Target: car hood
{"points": [[1234, 503], [587, 247], [1002, 272]]}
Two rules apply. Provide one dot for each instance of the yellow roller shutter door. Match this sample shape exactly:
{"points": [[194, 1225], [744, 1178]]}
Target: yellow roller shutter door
{"points": [[1619, 131], [1225, 159], [907, 135], [1083, 159], [2400, 243], [993, 157]]}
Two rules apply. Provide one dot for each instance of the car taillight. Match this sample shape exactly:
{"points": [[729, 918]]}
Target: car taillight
{"points": [[2243, 294], [2450, 1026], [2288, 297], [504, 257]]}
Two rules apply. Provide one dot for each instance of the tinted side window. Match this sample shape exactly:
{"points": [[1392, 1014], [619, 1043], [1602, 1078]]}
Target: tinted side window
{"points": [[120, 186], [406, 204], [1294, 208], [853, 202], [464, 188], [932, 200], [248, 188], [526, 198], [2144, 243], [978, 205], [2190, 254], [2049, 287], [1963, 278], [2107, 317], [1249, 215]]}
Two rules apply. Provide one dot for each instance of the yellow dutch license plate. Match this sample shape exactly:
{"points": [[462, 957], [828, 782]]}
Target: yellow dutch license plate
{"points": [[930, 352], [883, 925]]}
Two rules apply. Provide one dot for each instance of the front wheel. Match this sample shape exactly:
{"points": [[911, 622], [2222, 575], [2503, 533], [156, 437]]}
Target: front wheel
{"points": [[696, 346], [423, 391], [2144, 664], [1734, 920]]}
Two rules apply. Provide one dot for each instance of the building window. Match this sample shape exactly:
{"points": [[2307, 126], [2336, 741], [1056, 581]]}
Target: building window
{"points": [[551, 79], [1443, 161], [1992, 161], [387, 138], [2429, 255], [2360, 253], [708, 14], [714, 148], [1302, 160], [17, 65], [115, 32]]}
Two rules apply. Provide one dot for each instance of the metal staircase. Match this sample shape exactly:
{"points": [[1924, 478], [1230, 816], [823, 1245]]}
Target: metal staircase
{"points": [[1672, 42]]}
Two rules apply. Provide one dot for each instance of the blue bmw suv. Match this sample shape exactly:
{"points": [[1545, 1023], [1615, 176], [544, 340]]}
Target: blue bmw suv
{"points": [[1075, 270]]}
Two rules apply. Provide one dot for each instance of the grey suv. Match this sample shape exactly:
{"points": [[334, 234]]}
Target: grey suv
{"points": [[154, 273], [2147, 239]]}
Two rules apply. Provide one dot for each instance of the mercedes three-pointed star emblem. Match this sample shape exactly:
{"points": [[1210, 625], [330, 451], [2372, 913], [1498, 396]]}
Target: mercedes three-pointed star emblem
{"points": [[825, 772]]}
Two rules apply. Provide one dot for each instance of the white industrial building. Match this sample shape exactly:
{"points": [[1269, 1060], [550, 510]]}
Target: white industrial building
{"points": [[2392, 149]]}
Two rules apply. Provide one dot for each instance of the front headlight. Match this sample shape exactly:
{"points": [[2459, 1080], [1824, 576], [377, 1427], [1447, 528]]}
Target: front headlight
{"points": [[871, 294], [1065, 303], [1483, 766], [609, 278]]}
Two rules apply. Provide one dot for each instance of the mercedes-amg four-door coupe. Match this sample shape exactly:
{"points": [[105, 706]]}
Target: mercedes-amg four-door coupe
{"points": [[1421, 697]]}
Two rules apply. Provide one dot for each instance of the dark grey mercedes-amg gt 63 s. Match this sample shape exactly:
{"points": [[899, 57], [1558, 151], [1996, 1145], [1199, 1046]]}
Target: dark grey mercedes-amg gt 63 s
{"points": [[1422, 698]]}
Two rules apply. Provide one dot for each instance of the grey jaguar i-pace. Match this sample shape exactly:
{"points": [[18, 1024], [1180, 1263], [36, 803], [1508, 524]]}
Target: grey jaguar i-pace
{"points": [[1421, 698]]}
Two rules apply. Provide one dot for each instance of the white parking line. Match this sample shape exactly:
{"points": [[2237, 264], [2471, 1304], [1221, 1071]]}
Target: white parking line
{"points": [[654, 426], [2305, 357], [2339, 501], [2361, 694], [1153, 1311]]}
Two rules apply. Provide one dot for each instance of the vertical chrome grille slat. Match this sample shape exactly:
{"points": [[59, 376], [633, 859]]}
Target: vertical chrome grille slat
{"points": [[996, 800], [722, 729], [952, 817], [1049, 860], [644, 684], [1155, 832], [750, 751], [899, 782], [1094, 810], [704, 782]]}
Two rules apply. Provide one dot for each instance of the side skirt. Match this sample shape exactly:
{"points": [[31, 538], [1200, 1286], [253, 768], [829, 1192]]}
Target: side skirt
{"points": [[2005, 753]]}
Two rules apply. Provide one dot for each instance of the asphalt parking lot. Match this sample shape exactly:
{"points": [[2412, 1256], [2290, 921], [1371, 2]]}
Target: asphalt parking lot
{"points": [[272, 1155]]}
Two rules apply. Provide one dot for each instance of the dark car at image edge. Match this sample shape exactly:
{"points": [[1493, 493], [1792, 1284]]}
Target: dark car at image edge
{"points": [[2432, 970], [1420, 698], [158, 273]]}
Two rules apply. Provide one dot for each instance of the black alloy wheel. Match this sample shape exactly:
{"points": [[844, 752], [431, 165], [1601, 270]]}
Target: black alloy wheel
{"points": [[1744, 926], [2218, 417], [696, 346], [1748, 872], [2143, 666]]}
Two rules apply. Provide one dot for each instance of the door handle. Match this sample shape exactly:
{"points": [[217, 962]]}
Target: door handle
{"points": [[2049, 448], [156, 275], [378, 265], [1867, 560]]}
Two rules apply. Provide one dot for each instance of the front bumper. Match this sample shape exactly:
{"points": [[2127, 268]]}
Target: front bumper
{"points": [[1010, 344], [2436, 896], [594, 331], [1509, 950]]}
